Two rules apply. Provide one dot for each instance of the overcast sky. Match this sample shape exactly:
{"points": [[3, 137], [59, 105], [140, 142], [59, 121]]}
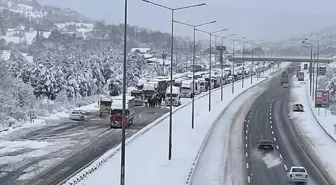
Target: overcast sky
{"points": [[253, 19]]}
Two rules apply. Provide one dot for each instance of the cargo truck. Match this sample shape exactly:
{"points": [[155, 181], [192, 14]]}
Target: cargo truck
{"points": [[284, 79], [116, 112], [300, 76]]}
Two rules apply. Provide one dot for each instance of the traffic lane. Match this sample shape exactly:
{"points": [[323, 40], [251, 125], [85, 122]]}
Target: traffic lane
{"points": [[96, 148], [84, 146], [289, 144], [263, 168]]}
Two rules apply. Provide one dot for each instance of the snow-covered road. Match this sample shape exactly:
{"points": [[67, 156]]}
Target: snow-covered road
{"points": [[222, 159], [29, 154], [147, 155]]}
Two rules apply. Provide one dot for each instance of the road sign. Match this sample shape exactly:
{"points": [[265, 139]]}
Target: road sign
{"points": [[321, 98], [322, 70], [164, 55], [223, 48]]}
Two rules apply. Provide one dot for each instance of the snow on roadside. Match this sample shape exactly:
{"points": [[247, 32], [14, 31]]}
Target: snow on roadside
{"points": [[320, 143], [221, 160], [152, 153]]}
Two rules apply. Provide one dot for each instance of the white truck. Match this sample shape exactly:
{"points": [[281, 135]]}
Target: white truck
{"points": [[116, 112], [186, 88], [176, 96]]}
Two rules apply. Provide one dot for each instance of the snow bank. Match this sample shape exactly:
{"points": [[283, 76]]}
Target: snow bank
{"points": [[150, 149], [315, 135]]}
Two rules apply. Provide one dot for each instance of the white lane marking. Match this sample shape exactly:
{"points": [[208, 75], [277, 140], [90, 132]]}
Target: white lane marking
{"points": [[277, 146], [246, 154], [280, 156], [271, 127], [247, 165], [270, 113], [270, 121], [248, 179], [272, 132], [248, 121], [246, 131], [247, 126], [285, 167], [246, 138], [274, 139], [270, 117], [246, 145]]}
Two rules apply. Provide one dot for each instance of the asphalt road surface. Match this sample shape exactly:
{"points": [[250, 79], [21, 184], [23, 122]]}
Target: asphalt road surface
{"points": [[268, 119], [70, 145]]}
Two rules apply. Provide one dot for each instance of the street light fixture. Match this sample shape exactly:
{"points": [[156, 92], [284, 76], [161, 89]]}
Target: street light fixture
{"points": [[123, 119], [171, 66], [233, 54], [310, 65], [209, 83], [244, 61], [193, 63], [318, 57], [222, 70]]}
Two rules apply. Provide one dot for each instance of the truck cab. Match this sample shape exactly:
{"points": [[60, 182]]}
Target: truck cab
{"points": [[104, 103], [116, 112], [176, 96], [138, 95]]}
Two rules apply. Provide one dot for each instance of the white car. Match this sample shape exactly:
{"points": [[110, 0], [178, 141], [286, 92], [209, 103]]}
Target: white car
{"points": [[297, 174], [77, 115], [298, 107], [285, 85]]}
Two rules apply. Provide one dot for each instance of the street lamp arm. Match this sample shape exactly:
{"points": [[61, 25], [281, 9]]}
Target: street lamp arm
{"points": [[186, 24], [219, 31], [156, 4], [202, 31], [205, 23], [191, 6]]}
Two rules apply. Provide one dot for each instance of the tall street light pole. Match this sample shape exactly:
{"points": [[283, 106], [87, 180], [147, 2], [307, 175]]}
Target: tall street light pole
{"points": [[244, 61], [317, 60], [123, 147], [222, 70], [171, 67], [233, 54], [310, 65], [210, 34], [193, 63]]}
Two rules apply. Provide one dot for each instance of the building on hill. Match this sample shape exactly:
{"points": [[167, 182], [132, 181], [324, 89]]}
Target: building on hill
{"points": [[141, 50]]}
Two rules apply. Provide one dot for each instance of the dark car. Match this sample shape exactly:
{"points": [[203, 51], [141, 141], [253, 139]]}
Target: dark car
{"points": [[265, 145]]}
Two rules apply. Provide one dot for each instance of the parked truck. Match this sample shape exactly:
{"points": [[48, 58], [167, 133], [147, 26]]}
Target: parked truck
{"points": [[301, 76], [116, 112], [104, 103], [284, 79]]}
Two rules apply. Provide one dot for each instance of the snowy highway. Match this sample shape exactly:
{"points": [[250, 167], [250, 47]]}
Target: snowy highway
{"points": [[268, 119], [51, 153]]}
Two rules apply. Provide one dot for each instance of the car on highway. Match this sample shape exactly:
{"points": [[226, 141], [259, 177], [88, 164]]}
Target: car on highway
{"points": [[285, 85], [77, 115], [265, 145], [298, 107], [297, 174]]}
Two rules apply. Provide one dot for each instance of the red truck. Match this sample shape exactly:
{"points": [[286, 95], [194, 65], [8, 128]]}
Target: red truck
{"points": [[116, 112]]}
